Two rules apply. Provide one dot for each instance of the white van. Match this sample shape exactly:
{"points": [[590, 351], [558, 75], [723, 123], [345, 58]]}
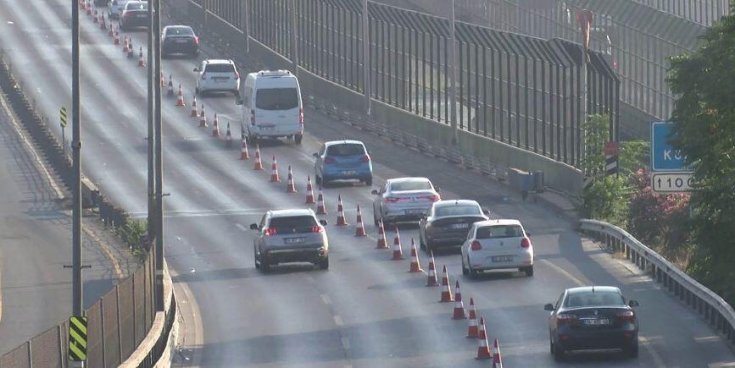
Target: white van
{"points": [[272, 106]]}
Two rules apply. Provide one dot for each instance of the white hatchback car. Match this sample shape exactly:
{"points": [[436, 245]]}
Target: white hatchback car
{"points": [[497, 244], [218, 75]]}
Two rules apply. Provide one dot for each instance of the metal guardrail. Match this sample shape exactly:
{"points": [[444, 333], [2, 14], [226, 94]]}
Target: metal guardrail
{"points": [[715, 310]]}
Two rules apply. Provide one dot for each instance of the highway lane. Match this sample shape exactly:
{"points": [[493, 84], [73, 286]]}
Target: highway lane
{"points": [[386, 316], [36, 243]]}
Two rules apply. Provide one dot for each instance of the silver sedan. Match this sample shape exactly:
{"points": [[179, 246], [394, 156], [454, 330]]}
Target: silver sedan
{"points": [[403, 199]]}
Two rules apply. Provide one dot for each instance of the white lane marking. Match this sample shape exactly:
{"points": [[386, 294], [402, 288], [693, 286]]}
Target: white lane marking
{"points": [[564, 272], [345, 343], [241, 227], [326, 299], [205, 213], [338, 320]]}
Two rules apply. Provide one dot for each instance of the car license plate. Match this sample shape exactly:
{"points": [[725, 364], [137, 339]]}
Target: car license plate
{"points": [[142, 15], [502, 258], [267, 128], [182, 41], [597, 322], [293, 240], [349, 172], [460, 226], [414, 211]]}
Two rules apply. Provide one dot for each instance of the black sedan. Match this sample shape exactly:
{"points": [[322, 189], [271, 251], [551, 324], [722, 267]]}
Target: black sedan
{"points": [[592, 318], [178, 39], [134, 14], [448, 222]]}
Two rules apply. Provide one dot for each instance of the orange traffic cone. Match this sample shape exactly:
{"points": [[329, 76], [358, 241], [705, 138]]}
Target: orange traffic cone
{"points": [[228, 136], [103, 26], [446, 289], [431, 278], [483, 351], [215, 126], [472, 323], [341, 221], [89, 8], [126, 45], [274, 171], [111, 31], [163, 82], [131, 49], [180, 100], [382, 241], [258, 163], [203, 119], [290, 186], [415, 264], [95, 17], [141, 61], [309, 191], [397, 251], [320, 208], [244, 155], [116, 37], [170, 91], [497, 359], [458, 304], [193, 103], [360, 229]]}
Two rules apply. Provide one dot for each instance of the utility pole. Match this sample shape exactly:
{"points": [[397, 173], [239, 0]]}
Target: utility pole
{"points": [[150, 141], [295, 37], [453, 77], [158, 161], [76, 145], [245, 13], [366, 57]]}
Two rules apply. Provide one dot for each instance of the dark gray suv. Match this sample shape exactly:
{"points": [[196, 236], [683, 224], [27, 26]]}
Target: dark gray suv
{"points": [[294, 235]]}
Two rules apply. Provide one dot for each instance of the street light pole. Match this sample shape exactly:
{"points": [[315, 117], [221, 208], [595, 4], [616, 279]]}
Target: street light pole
{"points": [[151, 112], [366, 57], [158, 159], [453, 77], [76, 145]]}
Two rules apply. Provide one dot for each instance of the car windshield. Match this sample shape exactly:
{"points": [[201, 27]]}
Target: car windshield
{"points": [[499, 231], [220, 68], [457, 210], [277, 98], [410, 185], [179, 31], [136, 6], [594, 299], [293, 224], [345, 149]]}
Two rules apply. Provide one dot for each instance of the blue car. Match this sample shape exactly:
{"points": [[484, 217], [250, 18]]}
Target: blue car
{"points": [[343, 160]]}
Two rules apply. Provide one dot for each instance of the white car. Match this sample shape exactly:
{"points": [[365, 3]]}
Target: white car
{"points": [[403, 199], [497, 244], [218, 75]]}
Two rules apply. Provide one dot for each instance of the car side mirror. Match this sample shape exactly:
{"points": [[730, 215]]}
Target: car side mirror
{"points": [[239, 101], [374, 192], [549, 307], [315, 155], [253, 226], [633, 303], [528, 234], [486, 211], [323, 222], [196, 69]]}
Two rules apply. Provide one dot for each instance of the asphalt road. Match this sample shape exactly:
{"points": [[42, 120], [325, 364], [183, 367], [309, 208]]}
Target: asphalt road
{"points": [[35, 233], [366, 310]]}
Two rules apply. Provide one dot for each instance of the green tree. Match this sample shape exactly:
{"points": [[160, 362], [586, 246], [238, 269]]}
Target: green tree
{"points": [[704, 118]]}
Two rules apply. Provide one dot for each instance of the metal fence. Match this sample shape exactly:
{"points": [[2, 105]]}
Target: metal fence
{"points": [[520, 90], [704, 12], [116, 325], [702, 300]]}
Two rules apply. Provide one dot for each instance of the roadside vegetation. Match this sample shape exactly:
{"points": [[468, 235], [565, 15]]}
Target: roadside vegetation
{"points": [[693, 230]]}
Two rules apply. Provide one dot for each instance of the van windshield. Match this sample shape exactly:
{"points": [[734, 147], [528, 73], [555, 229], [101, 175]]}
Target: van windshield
{"points": [[277, 98]]}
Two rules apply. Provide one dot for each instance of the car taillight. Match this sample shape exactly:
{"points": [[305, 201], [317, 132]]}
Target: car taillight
{"points": [[476, 245], [566, 319], [392, 199], [626, 316], [270, 231], [525, 243], [317, 229], [252, 117], [365, 158], [301, 116], [196, 40], [434, 197], [329, 160]]}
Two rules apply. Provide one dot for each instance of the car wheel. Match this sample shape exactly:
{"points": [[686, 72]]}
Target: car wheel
{"points": [[422, 244], [375, 220], [298, 138], [318, 179], [324, 264], [528, 270], [256, 260], [558, 352], [473, 272], [551, 345], [428, 247], [369, 181], [465, 271], [197, 91], [265, 267], [195, 54], [253, 140], [631, 351]]}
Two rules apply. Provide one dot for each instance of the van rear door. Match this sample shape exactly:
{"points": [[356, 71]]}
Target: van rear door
{"points": [[277, 109]]}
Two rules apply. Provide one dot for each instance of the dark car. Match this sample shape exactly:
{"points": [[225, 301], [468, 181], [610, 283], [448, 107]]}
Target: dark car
{"points": [[448, 222], [134, 15], [179, 40], [592, 318]]}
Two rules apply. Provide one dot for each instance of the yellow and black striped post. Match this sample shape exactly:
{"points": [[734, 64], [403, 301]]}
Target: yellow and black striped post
{"points": [[78, 338]]}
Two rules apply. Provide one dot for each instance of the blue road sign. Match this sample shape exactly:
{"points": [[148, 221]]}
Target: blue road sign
{"points": [[663, 155]]}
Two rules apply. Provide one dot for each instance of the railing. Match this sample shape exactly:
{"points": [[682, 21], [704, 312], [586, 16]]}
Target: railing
{"points": [[702, 300]]}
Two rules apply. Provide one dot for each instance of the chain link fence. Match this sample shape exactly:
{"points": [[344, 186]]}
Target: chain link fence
{"points": [[524, 91]]}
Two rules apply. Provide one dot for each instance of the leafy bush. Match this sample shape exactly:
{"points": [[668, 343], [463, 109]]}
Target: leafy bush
{"points": [[133, 232]]}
